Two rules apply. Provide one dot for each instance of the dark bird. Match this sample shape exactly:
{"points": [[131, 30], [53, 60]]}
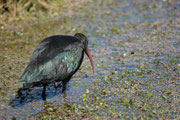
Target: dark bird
{"points": [[55, 59]]}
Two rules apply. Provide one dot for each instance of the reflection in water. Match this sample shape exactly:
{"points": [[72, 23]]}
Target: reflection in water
{"points": [[31, 95], [30, 101]]}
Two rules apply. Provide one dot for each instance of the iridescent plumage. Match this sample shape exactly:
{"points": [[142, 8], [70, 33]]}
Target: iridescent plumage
{"points": [[56, 58]]}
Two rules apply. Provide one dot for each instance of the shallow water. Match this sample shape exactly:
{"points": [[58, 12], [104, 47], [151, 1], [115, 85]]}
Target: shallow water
{"points": [[124, 36]]}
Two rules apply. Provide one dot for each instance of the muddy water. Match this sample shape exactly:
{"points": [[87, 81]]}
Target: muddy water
{"points": [[124, 37]]}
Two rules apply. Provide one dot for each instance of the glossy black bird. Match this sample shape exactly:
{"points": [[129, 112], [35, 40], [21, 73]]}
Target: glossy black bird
{"points": [[55, 59]]}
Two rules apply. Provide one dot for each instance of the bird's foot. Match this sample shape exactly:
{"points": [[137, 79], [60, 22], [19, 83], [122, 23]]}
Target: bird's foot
{"points": [[44, 97]]}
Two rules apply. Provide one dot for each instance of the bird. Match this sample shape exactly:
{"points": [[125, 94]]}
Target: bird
{"points": [[56, 59]]}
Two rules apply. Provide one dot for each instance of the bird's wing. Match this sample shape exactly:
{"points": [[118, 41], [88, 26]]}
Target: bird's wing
{"points": [[61, 66], [51, 46], [54, 58]]}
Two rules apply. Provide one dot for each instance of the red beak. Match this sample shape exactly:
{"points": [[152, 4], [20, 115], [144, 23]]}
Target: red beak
{"points": [[90, 58]]}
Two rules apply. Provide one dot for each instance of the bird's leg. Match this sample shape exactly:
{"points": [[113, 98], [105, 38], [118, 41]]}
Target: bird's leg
{"points": [[19, 93], [64, 96], [66, 102], [64, 87], [64, 82], [55, 86], [44, 92], [64, 92]]}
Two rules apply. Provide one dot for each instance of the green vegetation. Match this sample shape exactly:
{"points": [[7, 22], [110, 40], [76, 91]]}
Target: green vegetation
{"points": [[23, 9], [135, 47], [111, 98]]}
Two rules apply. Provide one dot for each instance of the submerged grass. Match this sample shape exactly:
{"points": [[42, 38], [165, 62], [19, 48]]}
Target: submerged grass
{"points": [[119, 96], [137, 64], [136, 54]]}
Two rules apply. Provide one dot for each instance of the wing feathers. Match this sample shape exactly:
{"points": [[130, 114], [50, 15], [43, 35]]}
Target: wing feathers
{"points": [[60, 67]]}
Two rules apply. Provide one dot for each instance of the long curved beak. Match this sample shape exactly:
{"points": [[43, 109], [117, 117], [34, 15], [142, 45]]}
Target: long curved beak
{"points": [[90, 58]]}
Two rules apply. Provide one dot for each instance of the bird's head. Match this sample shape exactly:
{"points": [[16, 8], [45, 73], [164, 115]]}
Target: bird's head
{"points": [[84, 40]]}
